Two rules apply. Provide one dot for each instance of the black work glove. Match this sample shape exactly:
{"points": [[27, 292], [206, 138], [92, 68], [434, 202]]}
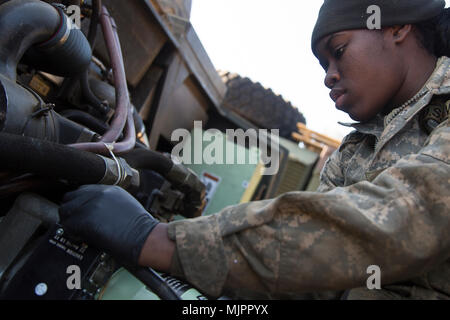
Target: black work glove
{"points": [[108, 218]]}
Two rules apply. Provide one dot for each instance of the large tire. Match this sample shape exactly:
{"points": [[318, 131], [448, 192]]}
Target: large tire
{"points": [[259, 105]]}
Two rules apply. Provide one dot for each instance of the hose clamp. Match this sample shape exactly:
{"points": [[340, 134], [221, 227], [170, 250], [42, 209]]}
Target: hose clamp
{"points": [[118, 172], [61, 35], [110, 148]]}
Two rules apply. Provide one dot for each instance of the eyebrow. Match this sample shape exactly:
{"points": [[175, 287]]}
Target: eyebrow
{"points": [[328, 44]]}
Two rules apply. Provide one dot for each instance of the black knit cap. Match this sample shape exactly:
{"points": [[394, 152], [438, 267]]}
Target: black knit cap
{"points": [[340, 15]]}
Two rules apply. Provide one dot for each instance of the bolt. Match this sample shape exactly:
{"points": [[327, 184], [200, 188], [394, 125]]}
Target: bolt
{"points": [[40, 289], [59, 232]]}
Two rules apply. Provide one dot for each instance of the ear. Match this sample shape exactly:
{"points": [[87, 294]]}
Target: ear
{"points": [[400, 33]]}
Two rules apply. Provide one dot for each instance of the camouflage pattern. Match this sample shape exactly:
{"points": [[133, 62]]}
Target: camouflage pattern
{"points": [[383, 200]]}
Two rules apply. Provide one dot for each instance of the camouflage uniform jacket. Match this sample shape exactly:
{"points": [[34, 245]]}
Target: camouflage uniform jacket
{"points": [[383, 200]]}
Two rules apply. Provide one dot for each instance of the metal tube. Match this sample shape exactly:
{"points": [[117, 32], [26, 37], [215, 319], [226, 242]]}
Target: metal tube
{"points": [[129, 141], [120, 81]]}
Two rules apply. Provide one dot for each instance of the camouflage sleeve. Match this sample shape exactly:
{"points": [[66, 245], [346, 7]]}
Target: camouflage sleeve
{"points": [[309, 242], [332, 174]]}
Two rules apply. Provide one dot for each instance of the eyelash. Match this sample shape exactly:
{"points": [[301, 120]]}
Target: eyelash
{"points": [[339, 52]]}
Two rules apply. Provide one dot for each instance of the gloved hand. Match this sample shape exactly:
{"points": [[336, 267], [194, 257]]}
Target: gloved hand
{"points": [[108, 218]]}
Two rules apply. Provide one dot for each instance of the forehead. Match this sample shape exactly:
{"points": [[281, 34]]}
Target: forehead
{"points": [[358, 37]]}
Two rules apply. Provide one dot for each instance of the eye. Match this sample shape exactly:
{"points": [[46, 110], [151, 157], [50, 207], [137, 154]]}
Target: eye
{"points": [[338, 53]]}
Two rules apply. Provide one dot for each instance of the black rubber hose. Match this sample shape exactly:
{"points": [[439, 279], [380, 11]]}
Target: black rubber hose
{"points": [[84, 78], [24, 154], [86, 120], [154, 282], [90, 97], [72, 2], [67, 60], [30, 22], [36, 25], [147, 159], [93, 26]]}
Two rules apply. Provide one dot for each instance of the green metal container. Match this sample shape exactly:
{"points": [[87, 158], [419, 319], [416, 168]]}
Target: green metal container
{"points": [[299, 168], [226, 182]]}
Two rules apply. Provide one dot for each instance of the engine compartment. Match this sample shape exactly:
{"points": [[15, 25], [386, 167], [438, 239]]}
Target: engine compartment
{"points": [[66, 119]]}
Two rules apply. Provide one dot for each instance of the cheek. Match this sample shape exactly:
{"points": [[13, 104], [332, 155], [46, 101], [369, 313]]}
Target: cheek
{"points": [[371, 80]]}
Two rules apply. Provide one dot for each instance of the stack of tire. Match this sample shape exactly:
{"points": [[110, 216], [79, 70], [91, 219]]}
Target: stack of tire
{"points": [[259, 105]]}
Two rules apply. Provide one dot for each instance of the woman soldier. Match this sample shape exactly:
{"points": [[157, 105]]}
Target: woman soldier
{"points": [[383, 199]]}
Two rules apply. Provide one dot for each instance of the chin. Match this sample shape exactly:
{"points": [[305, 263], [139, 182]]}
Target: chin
{"points": [[354, 117], [358, 117], [351, 111]]}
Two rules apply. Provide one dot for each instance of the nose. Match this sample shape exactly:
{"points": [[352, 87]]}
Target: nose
{"points": [[332, 77]]}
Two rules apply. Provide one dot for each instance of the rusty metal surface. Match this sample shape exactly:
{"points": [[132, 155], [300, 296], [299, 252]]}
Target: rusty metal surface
{"points": [[194, 55], [180, 8], [180, 104]]}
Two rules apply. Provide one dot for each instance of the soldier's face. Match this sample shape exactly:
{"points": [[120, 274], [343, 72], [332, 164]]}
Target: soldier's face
{"points": [[363, 71]]}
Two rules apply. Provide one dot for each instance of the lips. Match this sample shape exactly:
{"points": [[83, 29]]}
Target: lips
{"points": [[335, 94]]}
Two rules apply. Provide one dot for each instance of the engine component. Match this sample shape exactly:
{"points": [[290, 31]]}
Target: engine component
{"points": [[123, 114], [19, 225], [23, 112], [106, 93], [48, 34], [44, 272], [102, 106], [48, 159], [179, 176], [86, 120], [44, 275], [187, 181]]}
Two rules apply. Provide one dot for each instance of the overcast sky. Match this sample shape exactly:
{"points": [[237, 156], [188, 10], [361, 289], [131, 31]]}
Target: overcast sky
{"points": [[269, 42]]}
